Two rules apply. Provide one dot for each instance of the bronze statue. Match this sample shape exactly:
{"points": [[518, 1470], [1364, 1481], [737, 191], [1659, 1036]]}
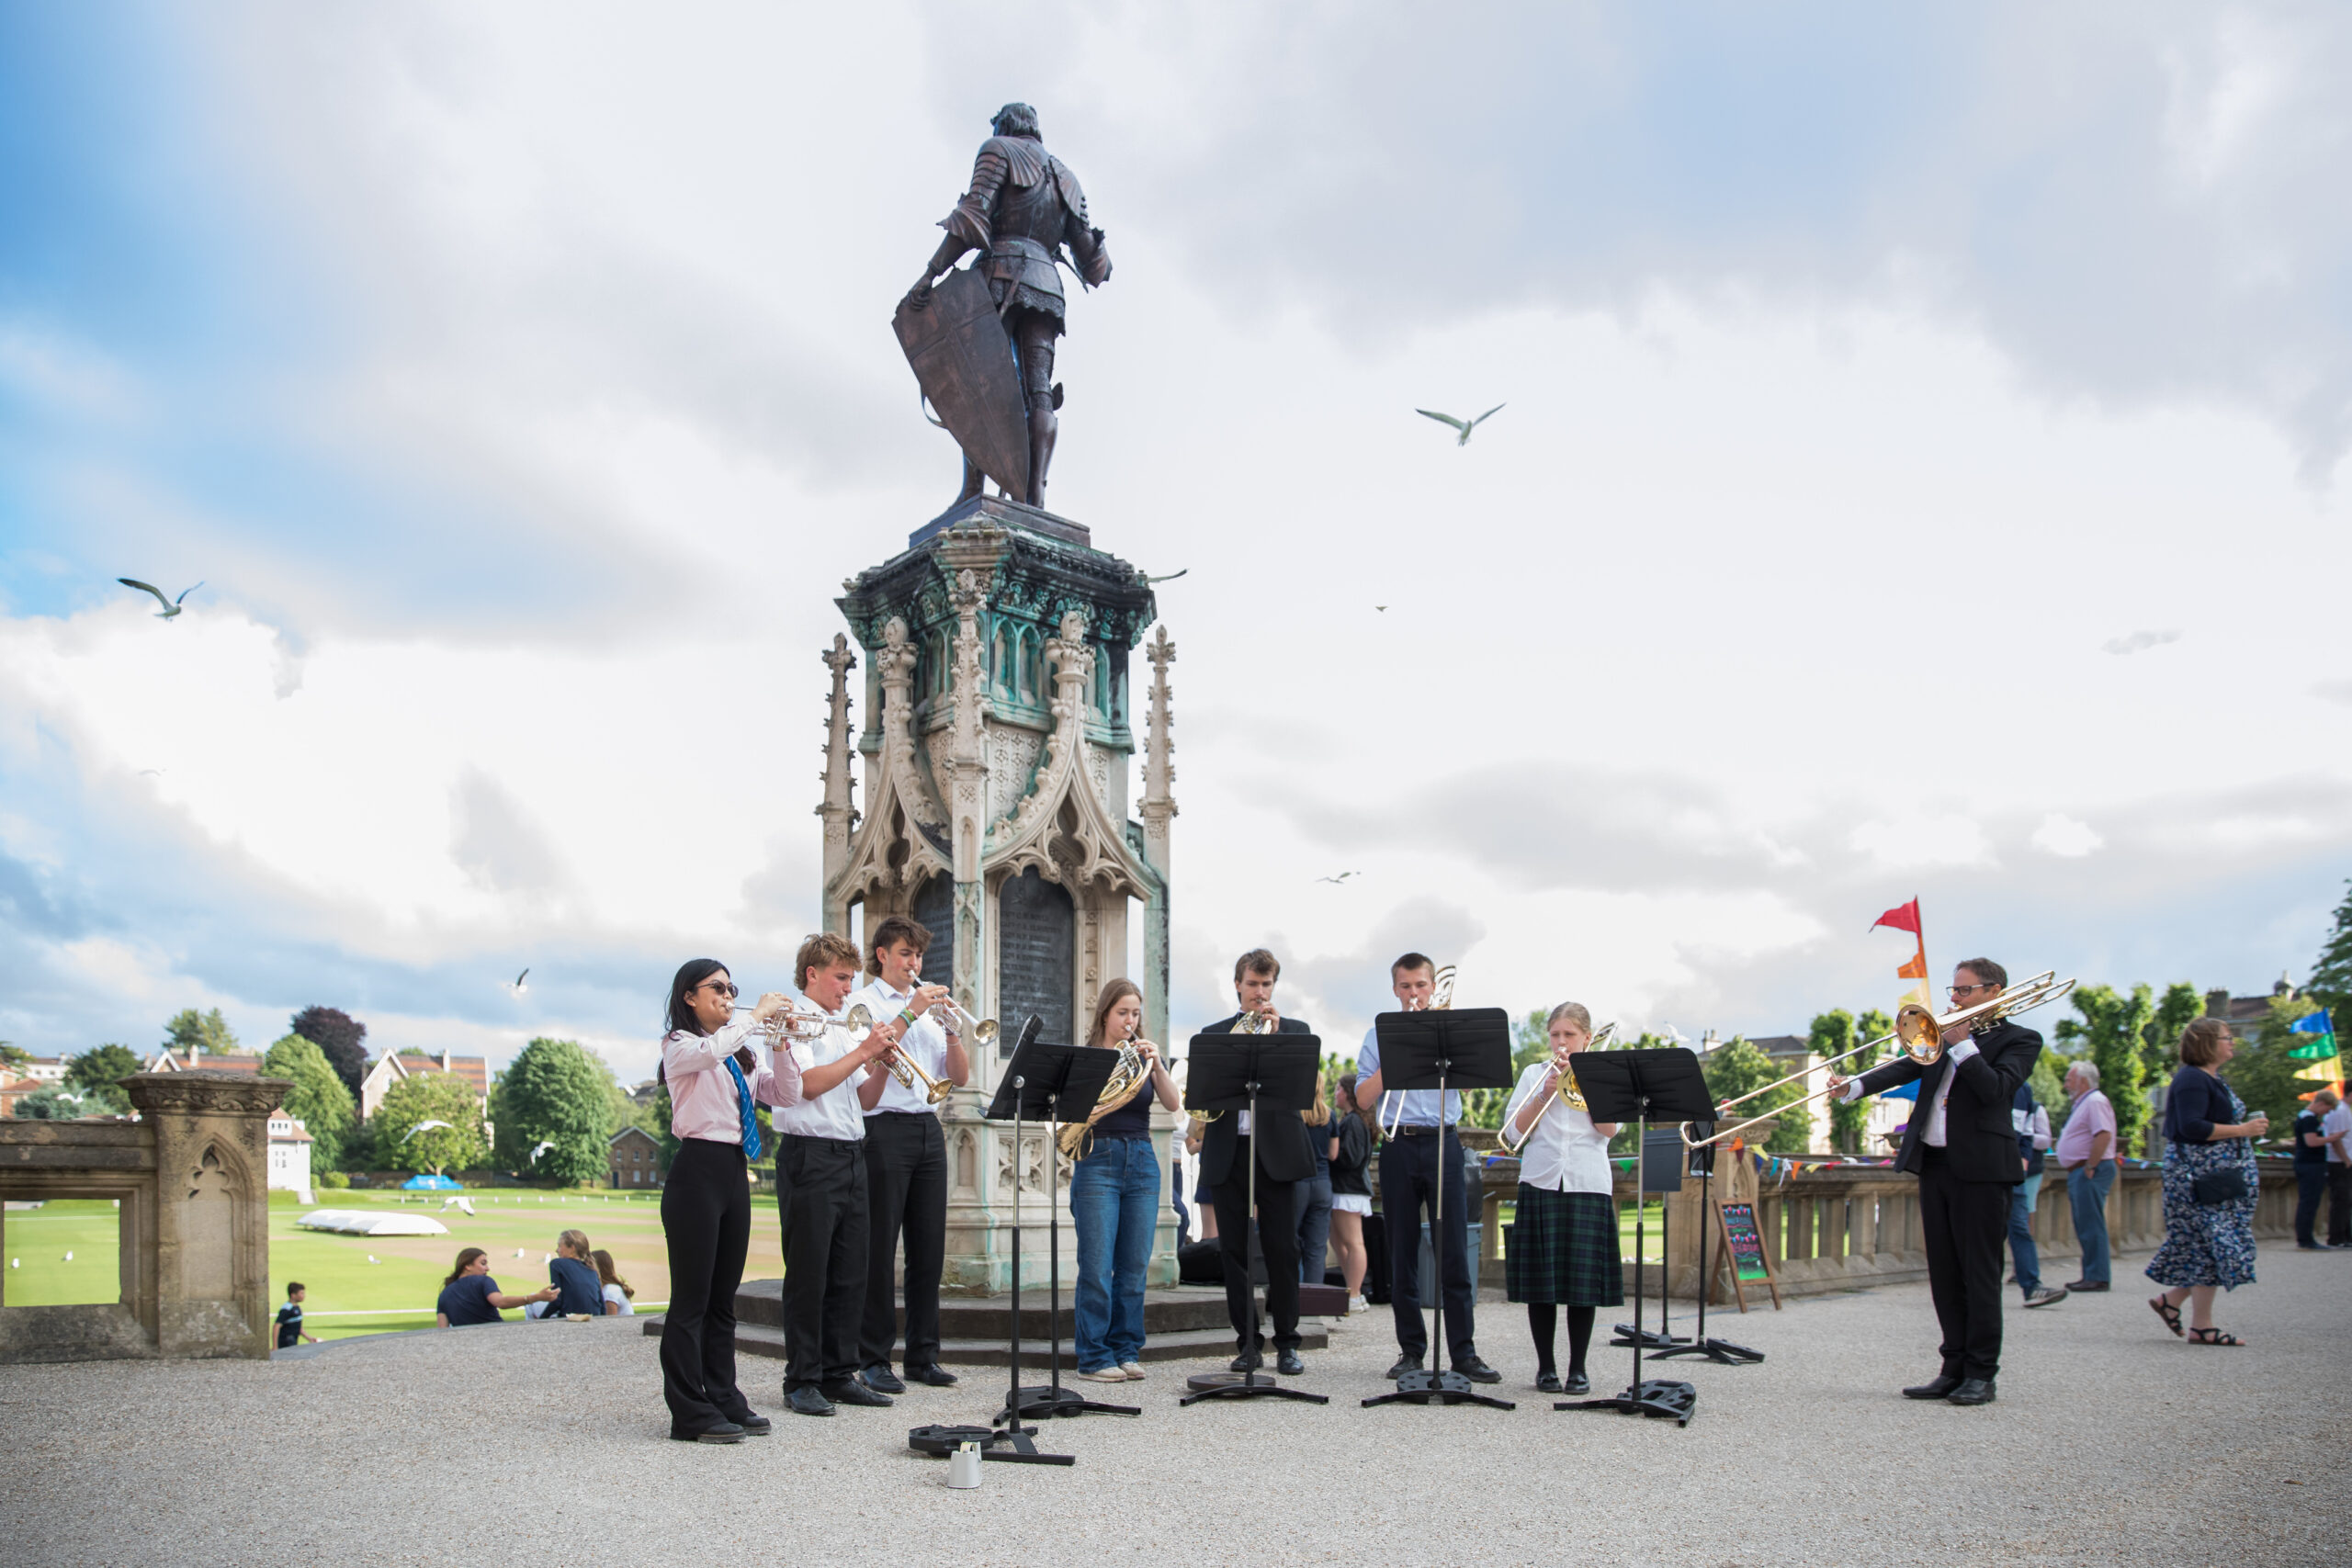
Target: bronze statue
{"points": [[982, 342]]}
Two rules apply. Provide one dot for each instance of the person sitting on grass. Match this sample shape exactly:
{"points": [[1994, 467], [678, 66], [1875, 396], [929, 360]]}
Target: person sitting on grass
{"points": [[469, 1295], [618, 1294], [289, 1319], [571, 1277]]}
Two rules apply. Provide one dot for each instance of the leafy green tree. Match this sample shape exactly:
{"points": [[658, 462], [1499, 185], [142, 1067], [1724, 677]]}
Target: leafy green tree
{"points": [[1831, 1035], [343, 1039], [189, 1028], [318, 1096], [2263, 1072], [555, 1091], [2331, 984], [2160, 1041], [98, 1074], [1739, 1064], [54, 1103], [13, 1057], [429, 1097], [2113, 1030]]}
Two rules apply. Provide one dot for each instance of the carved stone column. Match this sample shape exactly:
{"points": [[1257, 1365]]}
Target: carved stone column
{"points": [[1158, 810], [838, 809]]}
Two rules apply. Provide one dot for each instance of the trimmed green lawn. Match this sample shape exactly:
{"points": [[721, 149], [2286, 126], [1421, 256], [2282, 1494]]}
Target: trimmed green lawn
{"points": [[1654, 1248], [36, 1240]]}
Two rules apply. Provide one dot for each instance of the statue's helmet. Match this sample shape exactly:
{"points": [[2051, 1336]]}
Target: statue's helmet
{"points": [[1015, 120]]}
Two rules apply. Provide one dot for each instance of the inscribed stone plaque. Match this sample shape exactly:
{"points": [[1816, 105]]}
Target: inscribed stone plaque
{"points": [[934, 910], [1037, 927]]}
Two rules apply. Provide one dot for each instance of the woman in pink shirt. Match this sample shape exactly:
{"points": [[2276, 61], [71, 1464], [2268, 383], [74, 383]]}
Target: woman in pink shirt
{"points": [[714, 1078]]}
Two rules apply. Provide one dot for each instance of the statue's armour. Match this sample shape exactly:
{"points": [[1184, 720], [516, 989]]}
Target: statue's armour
{"points": [[1024, 204]]}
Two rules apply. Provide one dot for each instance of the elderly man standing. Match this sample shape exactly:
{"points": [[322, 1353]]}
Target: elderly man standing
{"points": [[2087, 1153]]}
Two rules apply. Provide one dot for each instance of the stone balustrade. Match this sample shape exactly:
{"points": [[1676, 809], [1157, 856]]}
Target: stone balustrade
{"points": [[192, 1178]]}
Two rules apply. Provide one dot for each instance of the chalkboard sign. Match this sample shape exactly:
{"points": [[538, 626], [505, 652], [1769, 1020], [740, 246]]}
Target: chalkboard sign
{"points": [[1746, 1243]]}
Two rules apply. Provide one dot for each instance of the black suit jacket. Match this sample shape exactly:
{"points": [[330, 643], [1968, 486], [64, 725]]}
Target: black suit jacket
{"points": [[1979, 1138], [1279, 1136]]}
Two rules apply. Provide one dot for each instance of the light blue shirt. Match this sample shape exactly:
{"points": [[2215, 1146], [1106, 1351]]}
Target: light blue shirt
{"points": [[1419, 1104]]}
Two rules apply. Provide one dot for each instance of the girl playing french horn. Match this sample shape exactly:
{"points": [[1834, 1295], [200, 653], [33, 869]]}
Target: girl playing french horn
{"points": [[1115, 1195]]}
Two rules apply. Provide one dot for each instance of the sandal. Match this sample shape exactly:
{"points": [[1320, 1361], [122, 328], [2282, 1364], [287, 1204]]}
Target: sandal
{"points": [[2169, 1312], [2213, 1336]]}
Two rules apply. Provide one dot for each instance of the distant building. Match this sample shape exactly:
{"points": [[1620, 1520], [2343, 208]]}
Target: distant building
{"points": [[14, 1089], [2246, 1015], [633, 1159], [289, 1153], [647, 1092], [44, 1069], [393, 1067], [164, 1062]]}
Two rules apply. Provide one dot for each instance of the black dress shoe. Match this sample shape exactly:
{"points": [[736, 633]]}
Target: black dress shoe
{"points": [[1408, 1362], [1289, 1365], [1974, 1391], [1247, 1361], [935, 1375], [849, 1391], [881, 1380], [1476, 1370], [807, 1401], [2085, 1287], [1937, 1388], [1577, 1383], [754, 1424], [1547, 1382], [723, 1432]]}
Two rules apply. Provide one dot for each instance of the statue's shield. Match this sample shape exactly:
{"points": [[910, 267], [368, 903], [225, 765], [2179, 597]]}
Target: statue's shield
{"points": [[963, 360]]}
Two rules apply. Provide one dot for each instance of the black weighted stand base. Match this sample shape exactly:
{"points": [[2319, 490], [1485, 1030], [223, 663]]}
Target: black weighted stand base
{"points": [[1723, 1353], [1243, 1386], [1651, 1339], [1010, 1444], [1673, 1401], [1045, 1402], [1439, 1388]]}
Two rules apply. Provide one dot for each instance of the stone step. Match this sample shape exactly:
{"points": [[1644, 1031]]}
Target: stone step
{"points": [[984, 1319], [759, 1339]]}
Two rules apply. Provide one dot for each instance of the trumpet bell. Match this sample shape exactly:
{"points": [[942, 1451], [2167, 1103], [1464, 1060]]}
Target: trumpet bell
{"points": [[985, 1031], [859, 1016]]}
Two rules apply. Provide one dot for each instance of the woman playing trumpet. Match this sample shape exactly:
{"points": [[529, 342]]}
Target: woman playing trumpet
{"points": [[1564, 1245], [1114, 1196]]}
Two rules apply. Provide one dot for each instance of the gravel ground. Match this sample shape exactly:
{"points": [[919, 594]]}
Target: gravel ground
{"points": [[2113, 1442]]}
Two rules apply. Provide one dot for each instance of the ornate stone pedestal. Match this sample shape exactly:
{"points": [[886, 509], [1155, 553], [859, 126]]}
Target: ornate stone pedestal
{"points": [[995, 758]]}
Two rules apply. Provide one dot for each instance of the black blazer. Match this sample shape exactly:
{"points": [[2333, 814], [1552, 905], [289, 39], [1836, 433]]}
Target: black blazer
{"points": [[1979, 1138], [1284, 1153]]}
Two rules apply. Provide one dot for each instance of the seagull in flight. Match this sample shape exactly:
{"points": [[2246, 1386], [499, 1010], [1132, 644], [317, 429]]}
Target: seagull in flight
{"points": [[1170, 578], [1464, 427], [460, 1202], [421, 1127], [516, 987], [170, 606], [1340, 878], [545, 1144]]}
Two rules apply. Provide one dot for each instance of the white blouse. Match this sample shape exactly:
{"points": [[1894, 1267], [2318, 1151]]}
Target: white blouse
{"points": [[620, 1298], [1566, 1153]]}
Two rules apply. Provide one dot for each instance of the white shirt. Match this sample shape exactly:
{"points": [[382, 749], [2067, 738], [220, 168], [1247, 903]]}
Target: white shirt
{"points": [[620, 1298], [1566, 1153], [2336, 1120], [1933, 1132], [832, 1115], [925, 1042]]}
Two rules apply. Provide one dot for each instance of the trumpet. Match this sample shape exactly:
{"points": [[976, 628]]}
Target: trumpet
{"points": [[909, 1071], [981, 1030], [1129, 1074], [1567, 1093], [795, 1022], [1919, 1032]]}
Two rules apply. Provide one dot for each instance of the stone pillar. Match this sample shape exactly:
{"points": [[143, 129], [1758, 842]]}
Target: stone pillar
{"points": [[838, 810], [211, 1211]]}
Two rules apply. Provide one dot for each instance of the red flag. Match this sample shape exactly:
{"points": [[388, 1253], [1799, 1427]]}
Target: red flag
{"points": [[1913, 969], [1902, 917]]}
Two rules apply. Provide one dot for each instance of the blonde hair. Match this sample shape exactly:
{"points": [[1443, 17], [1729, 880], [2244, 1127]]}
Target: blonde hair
{"points": [[823, 951], [1573, 1011], [577, 1241], [1319, 1113], [608, 1274]]}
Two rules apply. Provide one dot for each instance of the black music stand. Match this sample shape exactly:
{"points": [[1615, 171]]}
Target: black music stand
{"points": [[1443, 1050], [1723, 1353], [1658, 1169], [1641, 1086], [1234, 1073], [1042, 1077]]}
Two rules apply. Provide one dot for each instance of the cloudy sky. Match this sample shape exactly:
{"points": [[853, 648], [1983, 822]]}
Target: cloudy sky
{"points": [[1923, 473]]}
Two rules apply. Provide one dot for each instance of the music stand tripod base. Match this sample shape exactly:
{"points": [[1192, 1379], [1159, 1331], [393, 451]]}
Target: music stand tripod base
{"points": [[1723, 1353], [1042, 1401], [1009, 1444], [1243, 1386], [1439, 1388], [1674, 1402]]}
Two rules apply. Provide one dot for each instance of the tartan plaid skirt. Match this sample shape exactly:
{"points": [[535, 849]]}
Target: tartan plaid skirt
{"points": [[1562, 1250]]}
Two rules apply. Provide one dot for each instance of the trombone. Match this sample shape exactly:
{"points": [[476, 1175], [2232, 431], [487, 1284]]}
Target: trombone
{"points": [[1567, 1093], [1441, 1000], [1921, 1035]]}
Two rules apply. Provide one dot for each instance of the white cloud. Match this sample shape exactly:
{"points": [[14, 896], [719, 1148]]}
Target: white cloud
{"points": [[2139, 642], [2062, 836], [1919, 840]]}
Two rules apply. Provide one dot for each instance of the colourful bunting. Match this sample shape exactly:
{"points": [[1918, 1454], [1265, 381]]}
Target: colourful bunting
{"points": [[2322, 1047], [2325, 1072], [2313, 1024], [1902, 917]]}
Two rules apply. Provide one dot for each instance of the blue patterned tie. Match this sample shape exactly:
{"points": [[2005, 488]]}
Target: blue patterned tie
{"points": [[743, 1113]]}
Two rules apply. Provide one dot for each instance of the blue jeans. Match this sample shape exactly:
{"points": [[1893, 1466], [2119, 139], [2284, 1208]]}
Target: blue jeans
{"points": [[2022, 1199], [1314, 1226], [2086, 1189], [1115, 1204]]}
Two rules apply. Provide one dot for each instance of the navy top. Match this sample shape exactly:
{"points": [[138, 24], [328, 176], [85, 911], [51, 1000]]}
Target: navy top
{"points": [[1321, 1139], [466, 1300], [2036, 1160], [1131, 1120], [289, 1317], [1355, 1155], [579, 1287], [2304, 1153], [2197, 1103]]}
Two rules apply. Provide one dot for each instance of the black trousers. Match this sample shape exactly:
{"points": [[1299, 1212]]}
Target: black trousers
{"points": [[706, 1220], [1277, 1238], [906, 1189], [1964, 1225], [1407, 1191], [2311, 1185], [2339, 1204], [821, 1196]]}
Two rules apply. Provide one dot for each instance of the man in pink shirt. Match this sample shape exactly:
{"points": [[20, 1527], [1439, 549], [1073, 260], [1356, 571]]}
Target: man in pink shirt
{"points": [[2087, 1153]]}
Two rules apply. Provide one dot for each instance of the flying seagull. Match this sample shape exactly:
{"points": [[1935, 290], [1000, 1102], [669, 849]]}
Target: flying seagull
{"points": [[1170, 578], [421, 1127], [516, 987], [1341, 877], [170, 606], [1465, 429], [460, 1202], [544, 1146]]}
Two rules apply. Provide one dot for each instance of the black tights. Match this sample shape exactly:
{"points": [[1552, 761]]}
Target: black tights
{"points": [[1542, 1322]]}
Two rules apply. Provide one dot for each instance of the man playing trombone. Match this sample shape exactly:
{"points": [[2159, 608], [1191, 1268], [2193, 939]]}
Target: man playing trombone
{"points": [[1284, 1159], [1962, 1147], [906, 1159]]}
